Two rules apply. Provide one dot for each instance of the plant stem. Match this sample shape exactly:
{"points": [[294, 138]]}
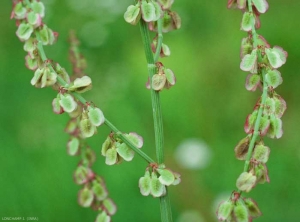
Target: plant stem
{"points": [[165, 206], [159, 40], [84, 101], [263, 97]]}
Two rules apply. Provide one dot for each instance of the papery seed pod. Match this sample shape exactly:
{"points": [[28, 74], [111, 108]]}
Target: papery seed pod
{"points": [[30, 63], [261, 153], [19, 11], [87, 129], [224, 210], [249, 61], [275, 129], [166, 176], [250, 121], [133, 14], [165, 50], [165, 4], [276, 56], [67, 102], [62, 73], [103, 217], [136, 139], [280, 106], [240, 212], [144, 184], [24, 31], [56, 106], [148, 11], [109, 206], [34, 19], [252, 82], [158, 10], [38, 7], [252, 207], [48, 78], [106, 145], [158, 81], [73, 146], [261, 5], [156, 187], [111, 156], [269, 106], [96, 116], [261, 173], [99, 190], [85, 197], [71, 126], [247, 21], [246, 47], [81, 175], [30, 45], [246, 181], [241, 149], [170, 76], [89, 157], [124, 151], [177, 178], [81, 85], [264, 125]]}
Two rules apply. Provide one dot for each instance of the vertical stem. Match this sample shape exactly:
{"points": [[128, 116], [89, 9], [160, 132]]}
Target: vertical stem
{"points": [[263, 97], [159, 40], [165, 206]]}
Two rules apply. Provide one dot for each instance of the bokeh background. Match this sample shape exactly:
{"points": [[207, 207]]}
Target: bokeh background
{"points": [[203, 114]]}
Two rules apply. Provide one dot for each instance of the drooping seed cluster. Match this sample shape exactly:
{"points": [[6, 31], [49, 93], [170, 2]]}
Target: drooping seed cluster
{"points": [[261, 61]]}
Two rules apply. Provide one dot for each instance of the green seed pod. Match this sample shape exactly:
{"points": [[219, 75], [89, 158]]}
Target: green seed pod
{"points": [[136, 139], [67, 102], [99, 190], [261, 5], [269, 106], [252, 82], [124, 151], [24, 31], [252, 207], [19, 11], [273, 78], [246, 47], [224, 210], [110, 206], [85, 197], [106, 145], [81, 85], [133, 14], [247, 21], [177, 178], [81, 175], [111, 156], [156, 187], [148, 11], [280, 106], [249, 62], [240, 212], [34, 19], [38, 7], [103, 217], [166, 176], [158, 81], [96, 116], [261, 153], [73, 146], [166, 4], [87, 129], [275, 130], [165, 50], [30, 45], [158, 11], [246, 181], [144, 184], [170, 77], [30, 63], [276, 56]]}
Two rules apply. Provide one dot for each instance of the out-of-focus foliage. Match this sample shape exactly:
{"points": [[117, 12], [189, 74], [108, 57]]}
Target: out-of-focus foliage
{"points": [[208, 106]]}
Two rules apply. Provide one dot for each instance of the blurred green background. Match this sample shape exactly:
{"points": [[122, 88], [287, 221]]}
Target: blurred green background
{"points": [[204, 112]]}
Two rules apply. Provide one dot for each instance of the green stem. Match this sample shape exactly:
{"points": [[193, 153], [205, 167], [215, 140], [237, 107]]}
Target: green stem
{"points": [[62, 82], [159, 40], [263, 97], [165, 206]]}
